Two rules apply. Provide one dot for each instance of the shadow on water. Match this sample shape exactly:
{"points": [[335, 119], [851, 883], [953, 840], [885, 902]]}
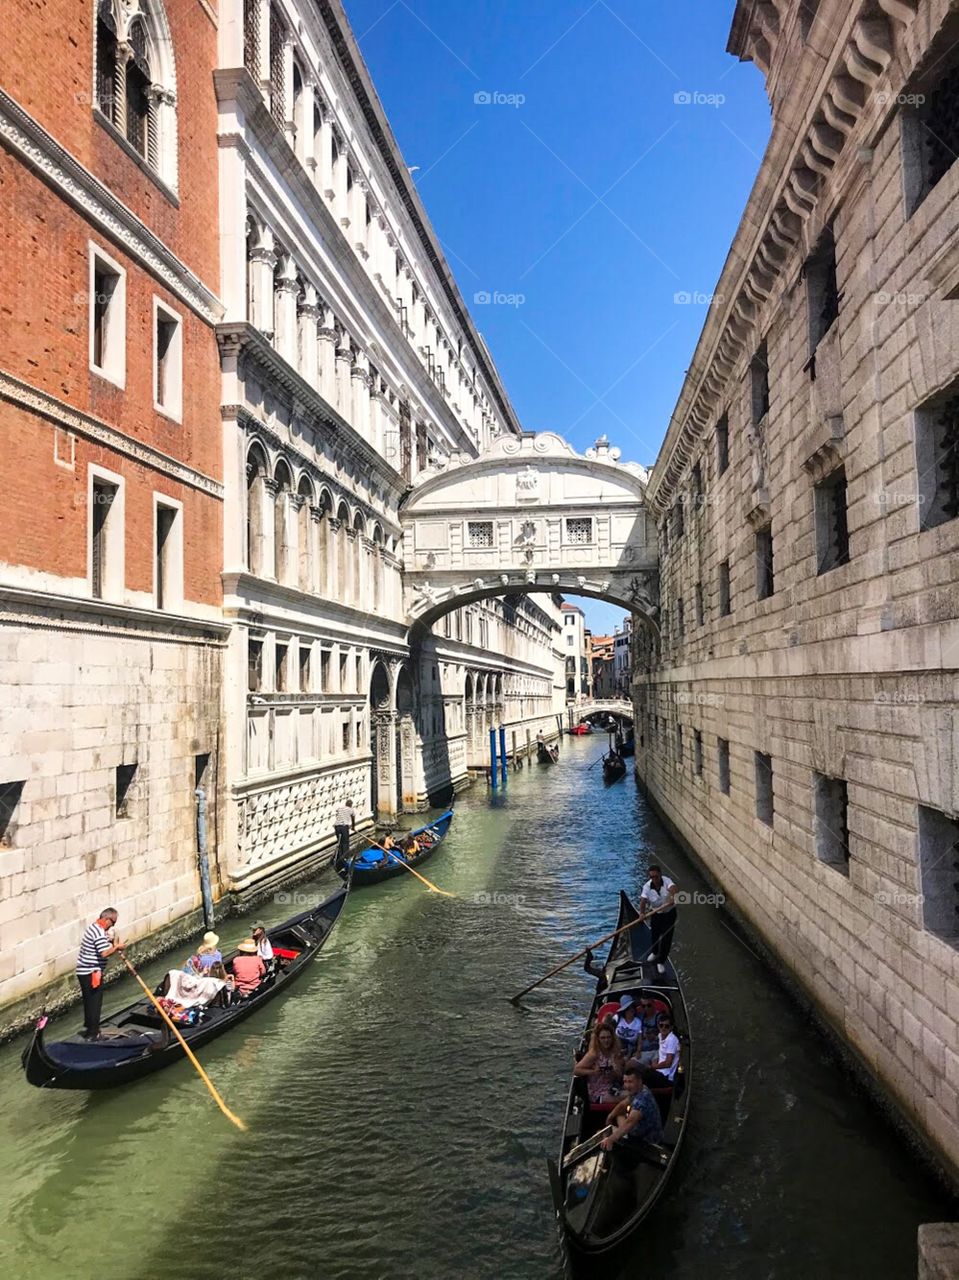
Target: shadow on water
{"points": [[400, 1109]]}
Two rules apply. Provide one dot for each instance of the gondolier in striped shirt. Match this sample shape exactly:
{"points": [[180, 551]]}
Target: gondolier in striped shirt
{"points": [[96, 946], [344, 823]]}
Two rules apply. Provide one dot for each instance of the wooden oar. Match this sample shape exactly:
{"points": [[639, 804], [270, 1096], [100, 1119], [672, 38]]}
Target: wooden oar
{"points": [[592, 946], [403, 863], [186, 1048], [586, 1147]]}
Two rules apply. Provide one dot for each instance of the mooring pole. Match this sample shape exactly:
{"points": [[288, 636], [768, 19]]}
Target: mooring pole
{"points": [[492, 759], [529, 749], [202, 857], [503, 761]]}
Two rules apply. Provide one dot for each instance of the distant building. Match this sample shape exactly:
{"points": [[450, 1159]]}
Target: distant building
{"points": [[622, 649], [574, 646], [602, 666]]}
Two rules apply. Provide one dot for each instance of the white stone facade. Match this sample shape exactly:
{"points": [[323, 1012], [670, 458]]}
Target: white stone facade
{"points": [[799, 723]]}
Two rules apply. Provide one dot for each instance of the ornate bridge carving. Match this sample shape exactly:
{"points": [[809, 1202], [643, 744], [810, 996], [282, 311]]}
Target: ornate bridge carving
{"points": [[529, 515]]}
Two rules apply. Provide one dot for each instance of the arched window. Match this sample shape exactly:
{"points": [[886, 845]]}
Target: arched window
{"points": [[255, 474], [326, 548], [136, 79], [305, 534], [359, 551], [342, 580], [377, 567]]}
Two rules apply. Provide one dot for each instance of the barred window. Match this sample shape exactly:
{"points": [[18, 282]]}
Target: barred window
{"points": [[480, 533], [579, 529], [832, 532], [277, 39], [251, 37], [937, 459]]}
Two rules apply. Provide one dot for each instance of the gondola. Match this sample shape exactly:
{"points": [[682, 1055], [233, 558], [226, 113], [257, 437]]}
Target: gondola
{"points": [[136, 1042], [601, 1199], [374, 864], [546, 754], [614, 767], [581, 728], [627, 746]]}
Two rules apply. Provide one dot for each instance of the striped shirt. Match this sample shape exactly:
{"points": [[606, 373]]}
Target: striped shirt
{"points": [[94, 942]]}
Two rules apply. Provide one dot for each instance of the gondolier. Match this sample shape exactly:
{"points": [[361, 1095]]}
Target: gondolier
{"points": [[659, 892], [344, 822], [96, 947]]}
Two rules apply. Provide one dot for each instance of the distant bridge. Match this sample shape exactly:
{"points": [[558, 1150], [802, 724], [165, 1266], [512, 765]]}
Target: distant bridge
{"points": [[619, 707]]}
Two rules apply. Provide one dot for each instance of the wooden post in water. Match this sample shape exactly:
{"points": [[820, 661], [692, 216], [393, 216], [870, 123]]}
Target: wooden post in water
{"points": [[529, 757], [503, 763], [492, 759]]}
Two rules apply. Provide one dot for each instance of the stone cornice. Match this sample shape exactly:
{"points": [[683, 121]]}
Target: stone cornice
{"points": [[42, 405], [45, 609], [23, 136]]}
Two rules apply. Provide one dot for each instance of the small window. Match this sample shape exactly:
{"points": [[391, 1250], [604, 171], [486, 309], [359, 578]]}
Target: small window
{"points": [[725, 596], [343, 666], [938, 867], [832, 530], [937, 459], [822, 291], [255, 666], [832, 821], [700, 607], [10, 795], [759, 383], [280, 655], [698, 752], [764, 787], [765, 582], [679, 520], [679, 744], [680, 619], [346, 734], [106, 538], [124, 782], [167, 362], [107, 318], [480, 533], [305, 653], [201, 769], [168, 553], [722, 444], [723, 764], [696, 487], [324, 671], [930, 134], [579, 529]]}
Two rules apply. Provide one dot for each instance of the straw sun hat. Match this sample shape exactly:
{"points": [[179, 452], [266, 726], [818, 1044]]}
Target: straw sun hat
{"points": [[210, 941], [248, 947]]}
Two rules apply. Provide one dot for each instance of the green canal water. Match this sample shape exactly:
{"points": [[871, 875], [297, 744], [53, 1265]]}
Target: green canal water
{"points": [[400, 1110]]}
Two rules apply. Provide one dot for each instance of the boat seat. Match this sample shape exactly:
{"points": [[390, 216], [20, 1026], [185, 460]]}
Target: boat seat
{"points": [[611, 1006], [663, 1099], [602, 1108]]}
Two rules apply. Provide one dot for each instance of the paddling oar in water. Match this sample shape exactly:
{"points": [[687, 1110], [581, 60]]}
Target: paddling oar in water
{"points": [[186, 1048], [403, 863], [584, 1148], [585, 951]]}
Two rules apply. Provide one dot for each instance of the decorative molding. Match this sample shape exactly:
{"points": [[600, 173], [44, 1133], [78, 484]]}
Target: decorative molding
{"points": [[52, 611], [21, 134], [63, 416]]}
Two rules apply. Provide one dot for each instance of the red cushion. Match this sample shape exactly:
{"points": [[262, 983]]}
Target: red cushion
{"points": [[611, 1006], [285, 953], [602, 1108]]}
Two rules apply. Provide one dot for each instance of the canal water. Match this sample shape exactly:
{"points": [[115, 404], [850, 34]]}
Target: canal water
{"points": [[400, 1109]]}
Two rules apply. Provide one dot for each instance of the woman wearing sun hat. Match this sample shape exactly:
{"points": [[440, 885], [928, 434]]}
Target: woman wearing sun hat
{"points": [[207, 953], [248, 969]]}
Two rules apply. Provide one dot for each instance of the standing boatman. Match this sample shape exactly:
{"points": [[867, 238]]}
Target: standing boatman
{"points": [[659, 891], [96, 946], [344, 822]]}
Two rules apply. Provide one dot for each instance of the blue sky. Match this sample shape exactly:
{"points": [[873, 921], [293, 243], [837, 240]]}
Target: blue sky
{"points": [[582, 190]]}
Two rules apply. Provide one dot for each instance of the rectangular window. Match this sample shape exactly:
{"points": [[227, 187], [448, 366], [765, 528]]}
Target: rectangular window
{"points": [[759, 383], [937, 458], [168, 556], [324, 670], [104, 532], [722, 444], [725, 596], [201, 767], [680, 619], [700, 608], [280, 654], [832, 821], [723, 764], [254, 665], [107, 317], [125, 775], [579, 529], [346, 735], [822, 291], [679, 744], [679, 520], [764, 563], [696, 487], [10, 794], [698, 752], [930, 132], [764, 787], [832, 531], [167, 361], [343, 673], [305, 653], [938, 867], [480, 533]]}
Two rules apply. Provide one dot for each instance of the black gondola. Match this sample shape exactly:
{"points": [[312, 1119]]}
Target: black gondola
{"points": [[614, 767], [374, 864], [136, 1042], [602, 1198], [627, 745], [546, 754]]}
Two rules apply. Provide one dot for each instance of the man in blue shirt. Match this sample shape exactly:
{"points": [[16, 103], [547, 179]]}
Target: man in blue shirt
{"points": [[636, 1118]]}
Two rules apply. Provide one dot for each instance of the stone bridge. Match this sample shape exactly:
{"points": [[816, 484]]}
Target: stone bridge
{"points": [[589, 707], [529, 515]]}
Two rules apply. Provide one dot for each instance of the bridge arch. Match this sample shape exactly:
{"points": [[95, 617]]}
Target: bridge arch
{"points": [[529, 515]]}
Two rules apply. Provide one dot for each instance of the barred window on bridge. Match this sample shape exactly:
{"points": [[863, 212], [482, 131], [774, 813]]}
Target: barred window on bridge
{"points": [[579, 529]]}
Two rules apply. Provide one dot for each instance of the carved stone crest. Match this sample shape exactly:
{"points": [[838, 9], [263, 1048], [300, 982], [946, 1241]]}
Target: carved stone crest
{"points": [[527, 485]]}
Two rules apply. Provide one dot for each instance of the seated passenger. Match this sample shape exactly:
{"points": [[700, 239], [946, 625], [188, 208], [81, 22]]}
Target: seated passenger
{"points": [[667, 1058], [636, 1118], [648, 1047], [629, 1026], [218, 970], [207, 954], [602, 1065], [410, 846], [389, 843], [264, 948], [248, 969]]}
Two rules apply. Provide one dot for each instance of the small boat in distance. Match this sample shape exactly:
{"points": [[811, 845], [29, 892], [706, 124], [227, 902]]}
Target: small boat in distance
{"points": [[546, 754], [581, 728], [136, 1042], [375, 864], [600, 1197]]}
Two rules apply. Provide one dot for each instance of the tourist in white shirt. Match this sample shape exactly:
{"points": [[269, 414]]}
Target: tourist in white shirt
{"points": [[668, 1049], [659, 895]]}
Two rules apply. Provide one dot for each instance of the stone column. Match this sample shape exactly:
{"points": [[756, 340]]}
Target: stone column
{"points": [[344, 366], [289, 123], [317, 565], [262, 265], [287, 293], [360, 379], [358, 207], [326, 337], [304, 127], [295, 504], [308, 314], [384, 782], [323, 152], [339, 180]]}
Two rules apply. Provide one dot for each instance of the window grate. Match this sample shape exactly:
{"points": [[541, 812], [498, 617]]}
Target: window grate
{"points": [[251, 37], [832, 529], [106, 71], [941, 127], [759, 371], [722, 444], [947, 455], [579, 530], [480, 533], [277, 41]]}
